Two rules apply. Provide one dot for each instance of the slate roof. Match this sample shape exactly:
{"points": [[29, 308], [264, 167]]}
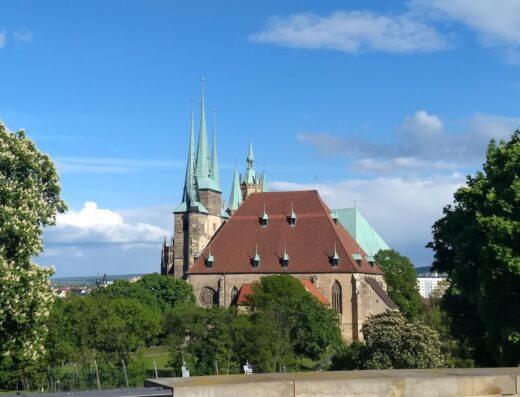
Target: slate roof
{"points": [[359, 228], [310, 243]]}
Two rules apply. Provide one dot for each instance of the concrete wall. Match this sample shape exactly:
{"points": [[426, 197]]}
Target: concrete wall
{"points": [[392, 383]]}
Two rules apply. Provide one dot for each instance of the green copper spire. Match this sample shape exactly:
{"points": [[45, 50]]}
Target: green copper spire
{"points": [[202, 150], [189, 194], [236, 195], [264, 183], [250, 170], [204, 181], [213, 171]]}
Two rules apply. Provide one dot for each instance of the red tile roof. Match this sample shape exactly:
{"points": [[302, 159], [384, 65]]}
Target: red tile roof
{"points": [[246, 290], [310, 243]]}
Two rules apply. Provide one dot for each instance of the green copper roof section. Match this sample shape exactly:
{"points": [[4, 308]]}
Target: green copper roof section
{"points": [[361, 230], [204, 181], [213, 171], [189, 194], [250, 169], [264, 183], [235, 199], [250, 153]]}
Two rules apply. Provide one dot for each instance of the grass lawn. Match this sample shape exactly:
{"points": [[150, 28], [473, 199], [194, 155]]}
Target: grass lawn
{"points": [[159, 354]]}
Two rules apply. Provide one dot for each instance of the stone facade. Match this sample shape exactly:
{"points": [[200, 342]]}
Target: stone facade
{"points": [[358, 299]]}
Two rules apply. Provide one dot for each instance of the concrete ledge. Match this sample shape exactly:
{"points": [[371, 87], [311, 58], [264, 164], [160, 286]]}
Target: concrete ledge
{"points": [[475, 382]]}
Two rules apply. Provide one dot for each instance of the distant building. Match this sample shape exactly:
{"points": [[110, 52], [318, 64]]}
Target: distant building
{"points": [[428, 282]]}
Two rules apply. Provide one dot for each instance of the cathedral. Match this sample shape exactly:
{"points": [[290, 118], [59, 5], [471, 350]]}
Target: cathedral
{"points": [[221, 251]]}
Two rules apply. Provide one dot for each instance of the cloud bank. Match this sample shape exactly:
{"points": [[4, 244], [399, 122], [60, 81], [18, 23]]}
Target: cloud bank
{"points": [[421, 142], [97, 226], [351, 32]]}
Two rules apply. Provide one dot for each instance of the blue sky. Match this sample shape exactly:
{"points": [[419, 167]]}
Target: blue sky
{"points": [[389, 104]]}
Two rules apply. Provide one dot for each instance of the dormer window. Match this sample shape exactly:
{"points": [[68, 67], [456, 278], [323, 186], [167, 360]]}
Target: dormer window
{"points": [[334, 260], [210, 260], [370, 259], [264, 219], [285, 258], [292, 218], [334, 216], [256, 259], [357, 258]]}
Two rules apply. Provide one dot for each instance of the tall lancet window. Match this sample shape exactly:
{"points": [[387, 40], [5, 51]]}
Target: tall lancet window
{"points": [[234, 296], [336, 297]]}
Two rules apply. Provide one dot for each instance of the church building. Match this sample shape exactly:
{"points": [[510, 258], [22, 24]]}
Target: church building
{"points": [[222, 251]]}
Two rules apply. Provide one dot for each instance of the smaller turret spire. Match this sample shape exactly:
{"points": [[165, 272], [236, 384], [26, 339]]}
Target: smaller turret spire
{"points": [[235, 199], [250, 169]]}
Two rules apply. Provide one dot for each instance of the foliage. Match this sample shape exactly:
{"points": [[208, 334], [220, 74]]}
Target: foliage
{"points": [[476, 244], [169, 291], [84, 329], [29, 200], [126, 289], [349, 357], [312, 327], [392, 341], [401, 281]]}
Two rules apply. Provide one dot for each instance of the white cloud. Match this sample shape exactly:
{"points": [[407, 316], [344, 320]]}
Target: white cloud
{"points": [[402, 210], [497, 22], [2, 38], [352, 31], [96, 226], [23, 35], [421, 142]]}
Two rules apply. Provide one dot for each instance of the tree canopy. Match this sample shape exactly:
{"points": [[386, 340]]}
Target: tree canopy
{"points": [[29, 200], [476, 243], [401, 281]]}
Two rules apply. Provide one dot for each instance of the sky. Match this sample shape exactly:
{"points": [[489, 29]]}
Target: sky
{"points": [[383, 105]]}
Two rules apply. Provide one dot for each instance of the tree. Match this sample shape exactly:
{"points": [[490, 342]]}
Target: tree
{"points": [[401, 281], [392, 341], [313, 328], [476, 244], [168, 290], [29, 200], [126, 289]]}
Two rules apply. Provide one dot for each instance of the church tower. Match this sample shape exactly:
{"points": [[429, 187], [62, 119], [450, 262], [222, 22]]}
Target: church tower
{"points": [[251, 183], [200, 213]]}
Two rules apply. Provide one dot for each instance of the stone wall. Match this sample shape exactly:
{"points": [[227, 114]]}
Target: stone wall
{"points": [[472, 382], [358, 299]]}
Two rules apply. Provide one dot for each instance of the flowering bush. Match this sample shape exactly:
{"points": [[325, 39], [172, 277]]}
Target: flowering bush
{"points": [[29, 200]]}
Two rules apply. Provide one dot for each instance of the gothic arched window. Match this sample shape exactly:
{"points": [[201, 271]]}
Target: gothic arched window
{"points": [[234, 296], [208, 297], [337, 297]]}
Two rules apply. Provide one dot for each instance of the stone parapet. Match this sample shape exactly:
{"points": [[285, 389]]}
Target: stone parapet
{"points": [[474, 382]]}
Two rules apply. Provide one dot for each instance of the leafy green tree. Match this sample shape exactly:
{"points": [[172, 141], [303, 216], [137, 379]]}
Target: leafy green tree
{"points": [[401, 281], [476, 243], [312, 327], [169, 291], [29, 200], [392, 341], [126, 289]]}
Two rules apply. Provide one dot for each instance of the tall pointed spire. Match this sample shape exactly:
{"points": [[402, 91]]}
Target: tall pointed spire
{"points": [[214, 159], [189, 195], [190, 191], [235, 199], [250, 170], [203, 167], [202, 149]]}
